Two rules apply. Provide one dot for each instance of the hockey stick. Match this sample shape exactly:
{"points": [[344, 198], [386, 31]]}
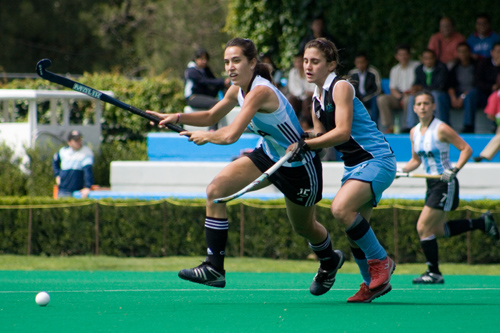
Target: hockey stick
{"points": [[49, 76], [257, 181], [416, 175]]}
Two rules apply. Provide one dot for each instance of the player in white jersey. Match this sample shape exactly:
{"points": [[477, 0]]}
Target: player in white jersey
{"points": [[369, 167], [265, 111], [431, 139]]}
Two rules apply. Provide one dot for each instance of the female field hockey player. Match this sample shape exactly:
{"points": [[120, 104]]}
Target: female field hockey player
{"points": [[370, 165], [430, 140], [265, 111]]}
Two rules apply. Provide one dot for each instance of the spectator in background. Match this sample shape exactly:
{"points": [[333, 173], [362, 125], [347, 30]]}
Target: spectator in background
{"points": [[366, 80], [488, 75], [73, 167], [201, 87], [483, 39], [461, 88], [318, 29], [401, 79], [277, 74], [444, 43], [431, 75], [492, 111], [300, 92]]}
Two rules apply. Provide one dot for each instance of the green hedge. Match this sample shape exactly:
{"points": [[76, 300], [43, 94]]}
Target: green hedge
{"points": [[167, 227]]}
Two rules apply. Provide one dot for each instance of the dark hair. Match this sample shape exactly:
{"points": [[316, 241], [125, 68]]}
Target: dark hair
{"points": [[495, 45], [361, 54], [201, 52], [403, 47], [463, 44], [250, 52], [326, 47], [430, 51], [483, 15], [448, 18], [425, 92]]}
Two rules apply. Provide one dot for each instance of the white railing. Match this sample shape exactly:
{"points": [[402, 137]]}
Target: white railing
{"points": [[19, 135]]}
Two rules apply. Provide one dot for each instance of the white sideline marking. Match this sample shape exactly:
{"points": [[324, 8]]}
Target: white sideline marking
{"points": [[220, 289]]}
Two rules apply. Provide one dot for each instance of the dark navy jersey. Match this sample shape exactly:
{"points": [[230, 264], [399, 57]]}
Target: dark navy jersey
{"points": [[366, 141]]}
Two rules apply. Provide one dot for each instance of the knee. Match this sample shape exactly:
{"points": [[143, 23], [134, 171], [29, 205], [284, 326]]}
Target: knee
{"points": [[213, 192], [422, 230], [341, 214]]}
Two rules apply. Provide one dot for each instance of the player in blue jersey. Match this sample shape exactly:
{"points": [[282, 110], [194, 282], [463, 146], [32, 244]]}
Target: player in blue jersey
{"points": [[370, 166], [265, 111], [431, 139]]}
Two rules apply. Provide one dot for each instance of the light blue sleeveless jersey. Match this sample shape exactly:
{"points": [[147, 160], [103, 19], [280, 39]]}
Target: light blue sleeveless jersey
{"points": [[278, 129], [435, 155]]}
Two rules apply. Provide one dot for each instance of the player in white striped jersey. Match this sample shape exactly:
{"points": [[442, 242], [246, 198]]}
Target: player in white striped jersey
{"points": [[265, 111], [431, 139]]}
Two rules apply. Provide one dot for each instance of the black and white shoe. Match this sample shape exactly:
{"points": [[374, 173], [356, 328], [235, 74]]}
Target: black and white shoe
{"points": [[490, 226], [205, 274], [324, 279], [429, 278]]}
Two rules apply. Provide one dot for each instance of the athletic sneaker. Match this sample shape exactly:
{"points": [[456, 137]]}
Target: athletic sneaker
{"points": [[429, 278], [380, 272], [365, 295], [205, 274], [324, 279], [490, 227]]}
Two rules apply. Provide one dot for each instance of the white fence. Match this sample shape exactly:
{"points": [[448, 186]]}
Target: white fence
{"points": [[19, 135]]}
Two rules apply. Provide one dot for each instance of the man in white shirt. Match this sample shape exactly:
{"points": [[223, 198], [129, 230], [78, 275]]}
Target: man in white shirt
{"points": [[401, 79]]}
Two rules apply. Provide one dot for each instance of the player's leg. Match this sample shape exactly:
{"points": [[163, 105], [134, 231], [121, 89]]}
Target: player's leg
{"points": [[303, 220], [485, 223], [232, 178], [430, 225], [358, 254], [345, 208]]}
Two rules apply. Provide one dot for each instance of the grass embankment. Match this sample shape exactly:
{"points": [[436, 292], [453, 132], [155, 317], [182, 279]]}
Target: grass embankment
{"points": [[103, 263]]}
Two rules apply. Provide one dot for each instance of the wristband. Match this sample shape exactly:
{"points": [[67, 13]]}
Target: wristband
{"points": [[178, 118]]}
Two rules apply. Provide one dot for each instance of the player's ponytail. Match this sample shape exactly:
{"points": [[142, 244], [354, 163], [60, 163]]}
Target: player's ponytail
{"points": [[263, 70]]}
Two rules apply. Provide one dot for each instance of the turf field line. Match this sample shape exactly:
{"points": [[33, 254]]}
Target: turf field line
{"points": [[226, 290]]}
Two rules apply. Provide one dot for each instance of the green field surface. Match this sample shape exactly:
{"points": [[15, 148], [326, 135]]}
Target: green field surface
{"points": [[137, 299]]}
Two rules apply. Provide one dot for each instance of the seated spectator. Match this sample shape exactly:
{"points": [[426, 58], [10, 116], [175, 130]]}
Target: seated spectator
{"points": [[401, 79], [72, 166], [366, 80], [201, 87], [483, 39], [444, 43], [492, 110], [431, 75], [275, 71], [488, 75], [463, 94], [300, 92]]}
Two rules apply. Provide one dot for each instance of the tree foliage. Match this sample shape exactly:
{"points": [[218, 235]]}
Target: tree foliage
{"points": [[375, 27], [135, 37]]}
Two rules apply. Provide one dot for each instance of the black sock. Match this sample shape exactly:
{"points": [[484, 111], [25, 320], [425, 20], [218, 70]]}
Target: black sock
{"points": [[358, 253], [457, 227], [328, 259], [216, 231], [430, 249]]}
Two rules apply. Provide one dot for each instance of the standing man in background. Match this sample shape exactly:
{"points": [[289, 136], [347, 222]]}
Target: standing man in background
{"points": [[73, 167]]}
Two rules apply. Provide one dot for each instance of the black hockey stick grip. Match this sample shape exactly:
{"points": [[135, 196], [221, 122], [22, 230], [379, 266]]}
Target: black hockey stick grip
{"points": [[49, 76]]}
